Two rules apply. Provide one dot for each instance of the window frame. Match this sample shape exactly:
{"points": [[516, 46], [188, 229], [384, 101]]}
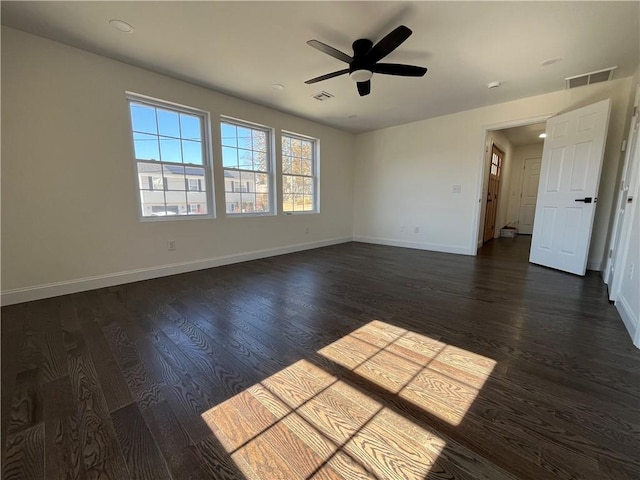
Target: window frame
{"points": [[315, 169], [207, 159], [271, 173]]}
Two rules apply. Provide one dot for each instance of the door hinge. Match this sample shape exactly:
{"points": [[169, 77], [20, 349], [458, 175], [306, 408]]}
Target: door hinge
{"points": [[624, 146], [610, 252]]}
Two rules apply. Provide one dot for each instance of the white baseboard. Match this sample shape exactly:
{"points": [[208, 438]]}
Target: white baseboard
{"points": [[418, 245], [630, 319], [38, 292]]}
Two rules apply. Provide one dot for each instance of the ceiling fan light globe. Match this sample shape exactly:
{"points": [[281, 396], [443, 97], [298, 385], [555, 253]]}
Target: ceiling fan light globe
{"points": [[361, 75]]}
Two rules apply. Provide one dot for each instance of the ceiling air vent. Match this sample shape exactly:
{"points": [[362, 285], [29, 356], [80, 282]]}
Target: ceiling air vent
{"points": [[589, 78], [322, 96]]}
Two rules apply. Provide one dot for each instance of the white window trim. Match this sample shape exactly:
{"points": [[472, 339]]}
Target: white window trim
{"points": [[207, 161], [316, 173], [270, 174]]}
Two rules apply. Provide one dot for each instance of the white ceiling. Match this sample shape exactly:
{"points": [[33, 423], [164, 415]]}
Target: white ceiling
{"points": [[242, 48], [525, 135]]}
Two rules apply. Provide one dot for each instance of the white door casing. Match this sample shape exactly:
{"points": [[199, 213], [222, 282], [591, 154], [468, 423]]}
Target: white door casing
{"points": [[529, 194], [621, 199], [624, 240], [567, 194]]}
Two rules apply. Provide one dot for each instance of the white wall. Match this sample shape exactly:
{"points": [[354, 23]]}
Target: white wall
{"points": [[66, 146], [404, 174], [520, 153]]}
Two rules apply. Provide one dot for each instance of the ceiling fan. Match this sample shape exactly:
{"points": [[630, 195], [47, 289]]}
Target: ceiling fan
{"points": [[366, 56]]}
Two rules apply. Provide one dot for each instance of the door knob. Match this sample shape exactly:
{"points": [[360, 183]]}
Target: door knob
{"points": [[585, 199]]}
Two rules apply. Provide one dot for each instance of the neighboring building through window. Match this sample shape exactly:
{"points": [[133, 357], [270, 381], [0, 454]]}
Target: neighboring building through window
{"points": [[299, 174], [170, 150], [246, 158]]}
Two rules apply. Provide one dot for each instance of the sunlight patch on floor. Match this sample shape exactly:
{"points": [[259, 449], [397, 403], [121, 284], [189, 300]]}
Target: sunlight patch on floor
{"points": [[304, 422], [439, 378]]}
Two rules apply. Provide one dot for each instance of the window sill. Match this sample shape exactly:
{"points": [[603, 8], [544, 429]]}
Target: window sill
{"points": [[171, 218], [249, 215]]}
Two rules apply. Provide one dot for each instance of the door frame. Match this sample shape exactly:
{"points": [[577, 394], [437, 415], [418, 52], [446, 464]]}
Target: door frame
{"points": [[612, 254], [477, 220]]}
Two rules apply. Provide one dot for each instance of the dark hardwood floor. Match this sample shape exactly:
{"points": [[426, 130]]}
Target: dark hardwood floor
{"points": [[351, 361]]}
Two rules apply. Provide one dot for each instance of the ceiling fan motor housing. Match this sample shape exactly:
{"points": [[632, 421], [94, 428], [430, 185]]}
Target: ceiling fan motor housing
{"points": [[360, 70], [361, 48]]}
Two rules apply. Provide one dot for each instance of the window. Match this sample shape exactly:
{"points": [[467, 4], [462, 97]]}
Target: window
{"points": [[299, 174], [194, 184], [496, 161], [156, 183], [246, 158], [171, 152]]}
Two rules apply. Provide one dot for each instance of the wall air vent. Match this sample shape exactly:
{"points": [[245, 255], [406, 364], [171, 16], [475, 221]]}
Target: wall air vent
{"points": [[588, 78], [322, 96]]}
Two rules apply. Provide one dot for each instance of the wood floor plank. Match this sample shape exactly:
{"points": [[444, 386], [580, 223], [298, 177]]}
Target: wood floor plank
{"points": [[64, 457], [45, 323], [217, 463], [144, 387], [11, 339], [181, 393], [112, 381], [140, 450], [174, 442], [24, 458], [29, 354], [26, 404], [54, 357], [100, 450]]}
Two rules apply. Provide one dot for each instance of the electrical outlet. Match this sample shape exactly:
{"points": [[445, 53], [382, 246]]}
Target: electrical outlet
{"points": [[457, 189], [172, 245], [306, 230], [402, 228], [416, 229]]}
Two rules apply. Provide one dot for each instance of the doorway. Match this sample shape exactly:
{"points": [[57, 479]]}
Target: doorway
{"points": [[568, 187], [508, 192], [529, 194]]}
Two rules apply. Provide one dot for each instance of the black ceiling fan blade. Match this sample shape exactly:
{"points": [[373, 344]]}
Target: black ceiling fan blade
{"points": [[399, 69], [323, 47], [388, 44], [364, 88], [327, 76]]}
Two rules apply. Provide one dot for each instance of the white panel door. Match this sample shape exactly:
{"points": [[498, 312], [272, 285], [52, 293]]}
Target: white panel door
{"points": [[568, 189], [529, 195]]}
